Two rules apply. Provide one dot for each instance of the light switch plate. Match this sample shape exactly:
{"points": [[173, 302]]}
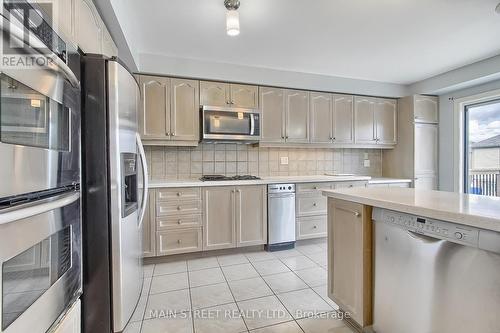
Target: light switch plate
{"points": [[284, 160], [366, 163]]}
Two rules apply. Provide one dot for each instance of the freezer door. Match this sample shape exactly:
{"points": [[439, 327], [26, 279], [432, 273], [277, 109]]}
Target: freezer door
{"points": [[126, 233]]}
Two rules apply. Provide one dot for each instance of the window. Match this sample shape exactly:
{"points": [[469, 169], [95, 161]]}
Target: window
{"points": [[482, 148]]}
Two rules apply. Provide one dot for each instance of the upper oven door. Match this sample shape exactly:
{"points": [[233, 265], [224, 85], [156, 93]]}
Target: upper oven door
{"points": [[39, 123], [230, 123], [40, 262]]}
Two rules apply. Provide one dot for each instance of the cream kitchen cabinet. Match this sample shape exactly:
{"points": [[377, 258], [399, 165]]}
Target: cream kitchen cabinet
{"points": [[296, 116], [416, 154], [88, 27], [228, 94], [62, 15], [169, 114], [375, 121], [350, 259], [338, 110], [234, 216], [272, 109], [251, 215], [109, 47]]}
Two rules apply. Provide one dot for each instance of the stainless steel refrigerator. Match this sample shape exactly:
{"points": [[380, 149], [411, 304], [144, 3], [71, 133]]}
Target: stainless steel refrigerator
{"points": [[114, 197]]}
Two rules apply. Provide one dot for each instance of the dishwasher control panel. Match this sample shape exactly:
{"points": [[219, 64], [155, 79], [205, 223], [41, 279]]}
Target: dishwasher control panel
{"points": [[429, 227]]}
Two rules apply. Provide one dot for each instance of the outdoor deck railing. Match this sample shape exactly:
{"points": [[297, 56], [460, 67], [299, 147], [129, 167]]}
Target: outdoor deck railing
{"points": [[485, 182]]}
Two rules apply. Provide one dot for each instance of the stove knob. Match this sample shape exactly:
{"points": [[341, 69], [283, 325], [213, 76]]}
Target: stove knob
{"points": [[289, 188], [459, 235], [392, 219]]}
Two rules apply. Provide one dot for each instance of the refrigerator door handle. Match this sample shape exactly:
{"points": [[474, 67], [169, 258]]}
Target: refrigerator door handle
{"points": [[145, 179]]}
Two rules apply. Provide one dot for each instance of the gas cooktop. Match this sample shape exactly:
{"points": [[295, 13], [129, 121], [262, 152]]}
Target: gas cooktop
{"points": [[221, 177]]}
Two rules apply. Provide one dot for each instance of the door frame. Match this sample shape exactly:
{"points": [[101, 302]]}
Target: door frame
{"points": [[459, 128]]}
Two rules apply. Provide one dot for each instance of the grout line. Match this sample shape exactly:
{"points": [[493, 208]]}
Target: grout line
{"points": [[190, 300]]}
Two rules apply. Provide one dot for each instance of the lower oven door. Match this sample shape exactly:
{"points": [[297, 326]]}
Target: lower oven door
{"points": [[40, 261]]}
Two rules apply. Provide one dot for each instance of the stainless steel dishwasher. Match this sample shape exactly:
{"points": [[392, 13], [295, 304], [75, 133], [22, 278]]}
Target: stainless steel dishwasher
{"points": [[280, 217], [433, 276]]}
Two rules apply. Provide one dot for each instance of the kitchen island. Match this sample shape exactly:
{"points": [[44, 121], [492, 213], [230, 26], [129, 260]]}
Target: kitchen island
{"points": [[393, 252]]}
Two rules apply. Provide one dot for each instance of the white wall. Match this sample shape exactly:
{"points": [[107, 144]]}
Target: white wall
{"points": [[446, 131]]}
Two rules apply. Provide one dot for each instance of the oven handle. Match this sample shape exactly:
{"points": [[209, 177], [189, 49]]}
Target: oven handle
{"points": [[52, 204], [145, 176], [58, 65]]}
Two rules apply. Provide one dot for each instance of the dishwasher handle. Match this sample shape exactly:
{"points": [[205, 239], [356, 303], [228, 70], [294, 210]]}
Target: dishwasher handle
{"points": [[281, 195], [424, 238]]}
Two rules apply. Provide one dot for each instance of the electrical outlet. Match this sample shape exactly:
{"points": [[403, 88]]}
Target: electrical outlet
{"points": [[366, 163], [284, 160], [366, 156]]}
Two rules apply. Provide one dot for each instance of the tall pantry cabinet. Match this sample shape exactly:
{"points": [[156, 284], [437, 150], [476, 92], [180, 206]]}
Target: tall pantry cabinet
{"points": [[416, 154]]}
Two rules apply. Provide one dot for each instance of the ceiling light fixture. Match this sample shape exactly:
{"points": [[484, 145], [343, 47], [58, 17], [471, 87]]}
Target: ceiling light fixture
{"points": [[232, 17]]}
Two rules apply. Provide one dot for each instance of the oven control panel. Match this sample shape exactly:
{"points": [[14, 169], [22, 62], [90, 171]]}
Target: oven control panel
{"points": [[430, 227]]}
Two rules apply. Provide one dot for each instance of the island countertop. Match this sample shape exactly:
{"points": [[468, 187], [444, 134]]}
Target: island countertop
{"points": [[466, 209]]}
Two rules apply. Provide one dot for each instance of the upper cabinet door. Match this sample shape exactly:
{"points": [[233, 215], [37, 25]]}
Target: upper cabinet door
{"points": [[343, 119], [62, 14], [108, 45], [297, 116], [364, 120], [154, 120], [244, 96], [214, 93], [426, 109], [184, 112], [88, 27], [272, 109], [321, 106], [386, 121]]}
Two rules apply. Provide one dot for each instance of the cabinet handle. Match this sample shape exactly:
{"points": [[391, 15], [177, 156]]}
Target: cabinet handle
{"points": [[315, 227], [357, 214], [238, 190], [168, 133], [179, 241], [173, 133], [315, 204], [334, 138], [286, 137], [179, 207], [179, 222], [179, 194], [315, 187]]}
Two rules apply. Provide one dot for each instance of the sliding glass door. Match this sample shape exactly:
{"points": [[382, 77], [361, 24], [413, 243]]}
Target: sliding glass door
{"points": [[482, 149]]}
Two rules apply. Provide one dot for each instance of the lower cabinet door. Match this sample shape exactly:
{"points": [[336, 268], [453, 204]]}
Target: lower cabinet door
{"points": [[178, 241], [219, 227], [251, 215], [311, 227]]}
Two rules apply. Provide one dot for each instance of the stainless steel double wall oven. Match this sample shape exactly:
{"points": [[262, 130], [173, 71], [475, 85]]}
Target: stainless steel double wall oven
{"points": [[40, 215]]}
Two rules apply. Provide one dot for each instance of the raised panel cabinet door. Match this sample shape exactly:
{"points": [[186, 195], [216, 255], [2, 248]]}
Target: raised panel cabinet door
{"points": [[386, 121], [426, 149], [426, 109], [251, 215], [108, 45], [364, 120], [214, 93], [149, 227], [343, 119], [297, 116], [272, 113], [184, 112], [219, 227], [154, 120], [244, 96], [320, 108], [88, 27], [349, 255]]}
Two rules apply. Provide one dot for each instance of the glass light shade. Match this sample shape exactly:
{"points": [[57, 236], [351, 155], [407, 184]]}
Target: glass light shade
{"points": [[233, 23]]}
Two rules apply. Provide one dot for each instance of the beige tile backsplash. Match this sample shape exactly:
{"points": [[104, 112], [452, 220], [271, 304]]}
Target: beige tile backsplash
{"points": [[170, 163]]}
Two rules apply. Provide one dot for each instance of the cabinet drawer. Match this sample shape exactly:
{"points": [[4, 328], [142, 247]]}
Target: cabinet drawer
{"points": [[178, 241], [351, 184], [311, 205], [181, 194], [176, 222], [378, 185], [313, 187], [178, 208], [311, 227]]}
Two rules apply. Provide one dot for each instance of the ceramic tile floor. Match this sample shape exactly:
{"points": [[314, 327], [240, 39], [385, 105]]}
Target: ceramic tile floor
{"points": [[260, 292]]}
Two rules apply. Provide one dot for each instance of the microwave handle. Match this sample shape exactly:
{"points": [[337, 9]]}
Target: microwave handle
{"points": [[22, 213], [252, 124]]}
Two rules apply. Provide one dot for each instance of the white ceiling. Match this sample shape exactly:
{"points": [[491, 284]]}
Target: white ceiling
{"points": [[396, 41]]}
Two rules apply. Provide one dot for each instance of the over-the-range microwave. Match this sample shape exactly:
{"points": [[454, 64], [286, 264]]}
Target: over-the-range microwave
{"points": [[223, 124]]}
